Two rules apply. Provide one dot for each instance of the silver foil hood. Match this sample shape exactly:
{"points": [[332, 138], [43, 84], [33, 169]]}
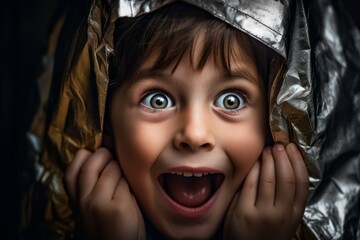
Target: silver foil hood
{"points": [[266, 21]]}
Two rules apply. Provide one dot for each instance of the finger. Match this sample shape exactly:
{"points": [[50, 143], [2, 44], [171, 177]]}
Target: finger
{"points": [[267, 181], [124, 198], [128, 211], [72, 172], [301, 177], [141, 232], [91, 170], [122, 192], [285, 178], [106, 185], [249, 190]]}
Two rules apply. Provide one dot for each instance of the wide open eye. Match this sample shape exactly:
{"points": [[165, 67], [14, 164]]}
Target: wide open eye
{"points": [[230, 101], [157, 100]]}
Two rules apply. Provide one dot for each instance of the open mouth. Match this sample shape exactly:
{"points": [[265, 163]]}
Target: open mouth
{"points": [[189, 189]]}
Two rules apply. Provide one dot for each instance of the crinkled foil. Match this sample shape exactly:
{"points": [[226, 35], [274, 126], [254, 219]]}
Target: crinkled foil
{"points": [[333, 212], [314, 101]]}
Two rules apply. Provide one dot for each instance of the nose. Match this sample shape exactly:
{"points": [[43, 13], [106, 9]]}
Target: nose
{"points": [[195, 131]]}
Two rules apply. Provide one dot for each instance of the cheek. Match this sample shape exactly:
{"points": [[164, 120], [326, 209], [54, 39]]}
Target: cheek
{"points": [[135, 154], [244, 149], [138, 145]]}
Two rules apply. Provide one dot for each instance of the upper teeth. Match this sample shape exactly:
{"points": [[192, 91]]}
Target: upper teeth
{"points": [[190, 174]]}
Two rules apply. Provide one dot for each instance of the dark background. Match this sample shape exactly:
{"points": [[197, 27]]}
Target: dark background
{"points": [[25, 27]]}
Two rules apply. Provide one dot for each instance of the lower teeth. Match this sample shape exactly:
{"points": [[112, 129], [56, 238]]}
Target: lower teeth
{"points": [[190, 191]]}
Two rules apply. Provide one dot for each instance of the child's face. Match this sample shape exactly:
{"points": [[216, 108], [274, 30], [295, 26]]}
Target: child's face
{"points": [[168, 125]]}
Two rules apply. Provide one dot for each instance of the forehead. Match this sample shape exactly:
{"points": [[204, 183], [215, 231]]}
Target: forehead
{"points": [[232, 57], [160, 41]]}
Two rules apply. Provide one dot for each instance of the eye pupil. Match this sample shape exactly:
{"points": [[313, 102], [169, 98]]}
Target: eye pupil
{"points": [[231, 102], [159, 101]]}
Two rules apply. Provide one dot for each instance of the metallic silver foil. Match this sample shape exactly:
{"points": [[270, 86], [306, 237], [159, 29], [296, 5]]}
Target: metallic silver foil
{"points": [[314, 74], [333, 212]]}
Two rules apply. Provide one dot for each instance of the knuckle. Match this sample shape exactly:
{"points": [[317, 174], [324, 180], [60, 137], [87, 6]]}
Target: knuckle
{"points": [[93, 207], [268, 216], [250, 185], [248, 215], [108, 175], [81, 153], [120, 209], [85, 170], [111, 170], [269, 181], [289, 180], [104, 151], [280, 217], [113, 165]]}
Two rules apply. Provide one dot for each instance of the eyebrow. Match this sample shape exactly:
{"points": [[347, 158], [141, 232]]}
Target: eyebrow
{"points": [[243, 74], [148, 72], [231, 75]]}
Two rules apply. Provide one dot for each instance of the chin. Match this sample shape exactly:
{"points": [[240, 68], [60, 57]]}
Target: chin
{"points": [[190, 230], [191, 233]]}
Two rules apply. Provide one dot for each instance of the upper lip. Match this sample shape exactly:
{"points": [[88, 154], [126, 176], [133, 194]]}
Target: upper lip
{"points": [[190, 171], [191, 174]]}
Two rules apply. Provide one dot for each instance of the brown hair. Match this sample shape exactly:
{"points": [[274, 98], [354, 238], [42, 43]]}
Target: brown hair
{"points": [[172, 31]]}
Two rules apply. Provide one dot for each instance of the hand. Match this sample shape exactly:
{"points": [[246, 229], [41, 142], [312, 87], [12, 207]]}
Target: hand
{"points": [[97, 189], [271, 203]]}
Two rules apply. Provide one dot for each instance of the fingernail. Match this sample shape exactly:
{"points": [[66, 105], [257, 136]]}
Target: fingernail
{"points": [[292, 147], [267, 149], [279, 146]]}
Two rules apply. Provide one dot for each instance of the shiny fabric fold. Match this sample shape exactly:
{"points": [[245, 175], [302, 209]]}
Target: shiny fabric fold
{"points": [[333, 212]]}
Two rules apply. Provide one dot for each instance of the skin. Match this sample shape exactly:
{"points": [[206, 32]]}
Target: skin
{"points": [[97, 189], [264, 188]]}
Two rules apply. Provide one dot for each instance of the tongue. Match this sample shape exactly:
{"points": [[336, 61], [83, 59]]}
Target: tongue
{"points": [[189, 191]]}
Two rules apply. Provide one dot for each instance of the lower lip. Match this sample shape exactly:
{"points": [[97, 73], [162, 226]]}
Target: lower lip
{"points": [[191, 212]]}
